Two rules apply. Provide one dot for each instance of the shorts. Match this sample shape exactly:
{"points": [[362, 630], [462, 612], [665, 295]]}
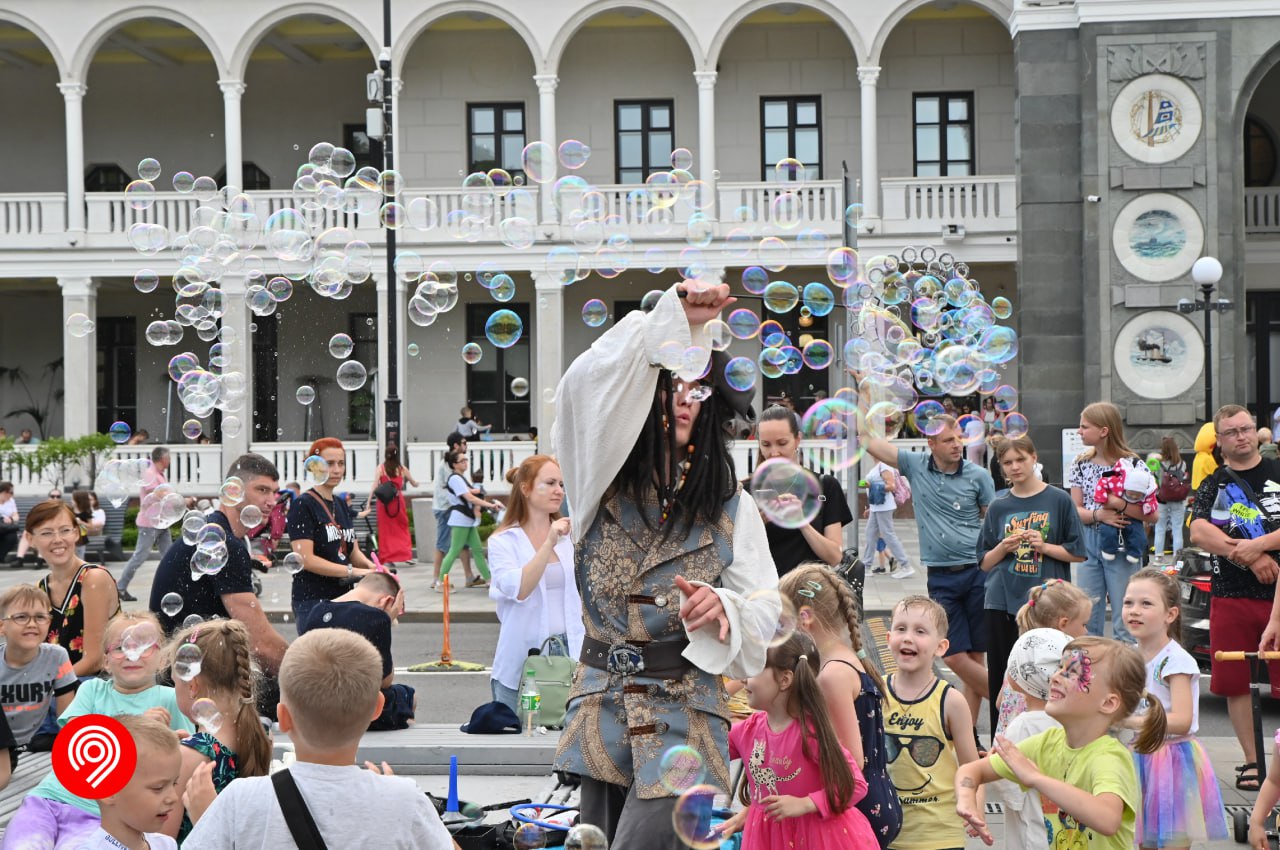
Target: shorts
{"points": [[1235, 625], [442, 530], [963, 595], [397, 709]]}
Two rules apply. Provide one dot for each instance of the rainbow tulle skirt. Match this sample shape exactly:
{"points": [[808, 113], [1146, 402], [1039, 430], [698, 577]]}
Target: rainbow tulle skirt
{"points": [[1181, 802]]}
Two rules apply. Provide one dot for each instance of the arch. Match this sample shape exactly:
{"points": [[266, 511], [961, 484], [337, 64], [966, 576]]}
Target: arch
{"points": [[571, 27], [36, 30], [410, 33], [1001, 10], [89, 46], [259, 28], [749, 8]]}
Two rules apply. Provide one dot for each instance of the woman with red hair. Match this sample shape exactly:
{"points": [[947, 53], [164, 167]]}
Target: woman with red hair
{"points": [[321, 530]]}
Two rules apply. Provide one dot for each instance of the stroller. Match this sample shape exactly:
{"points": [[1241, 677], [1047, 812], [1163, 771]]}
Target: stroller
{"points": [[265, 539]]}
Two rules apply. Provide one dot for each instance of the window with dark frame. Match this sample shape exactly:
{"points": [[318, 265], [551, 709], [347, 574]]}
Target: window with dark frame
{"points": [[117, 352], [255, 179], [495, 137], [489, 380], [944, 142], [1259, 153], [366, 150], [791, 127], [644, 137], [106, 177], [362, 416]]}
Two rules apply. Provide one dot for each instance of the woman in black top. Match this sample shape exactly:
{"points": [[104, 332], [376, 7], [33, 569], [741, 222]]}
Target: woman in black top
{"points": [[822, 540], [322, 531]]}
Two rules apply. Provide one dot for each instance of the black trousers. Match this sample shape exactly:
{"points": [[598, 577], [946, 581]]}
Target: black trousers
{"points": [[629, 822], [1002, 634]]}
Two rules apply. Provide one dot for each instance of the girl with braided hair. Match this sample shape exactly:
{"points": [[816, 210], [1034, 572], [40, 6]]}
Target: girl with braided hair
{"points": [[217, 693], [851, 687]]}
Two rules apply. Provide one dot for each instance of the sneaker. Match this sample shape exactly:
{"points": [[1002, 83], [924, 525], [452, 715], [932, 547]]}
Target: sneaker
{"points": [[904, 571], [126, 596], [879, 569]]}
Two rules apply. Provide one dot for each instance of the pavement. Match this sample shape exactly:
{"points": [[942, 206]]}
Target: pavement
{"points": [[472, 605]]}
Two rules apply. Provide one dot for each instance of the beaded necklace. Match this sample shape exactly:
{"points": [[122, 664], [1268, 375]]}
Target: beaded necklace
{"points": [[669, 502]]}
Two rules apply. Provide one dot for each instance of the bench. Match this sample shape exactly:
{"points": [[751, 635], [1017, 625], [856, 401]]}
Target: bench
{"points": [[32, 767], [99, 549], [425, 748]]}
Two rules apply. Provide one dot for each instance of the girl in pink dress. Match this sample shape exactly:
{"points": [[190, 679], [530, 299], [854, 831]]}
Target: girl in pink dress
{"points": [[801, 783]]}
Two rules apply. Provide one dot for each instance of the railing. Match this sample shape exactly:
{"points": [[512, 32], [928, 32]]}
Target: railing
{"points": [[784, 206], [193, 469], [1262, 210], [920, 205], [289, 458], [25, 218]]}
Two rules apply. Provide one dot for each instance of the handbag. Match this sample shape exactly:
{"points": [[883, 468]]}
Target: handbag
{"points": [[553, 675], [386, 492], [852, 569], [302, 826]]}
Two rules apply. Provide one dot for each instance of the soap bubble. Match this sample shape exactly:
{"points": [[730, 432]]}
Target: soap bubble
{"points": [[79, 325], [231, 426], [682, 159], [471, 353], [139, 640], [317, 469], [305, 394], [120, 432], [1005, 398], [740, 373], [210, 558], [538, 160], [341, 346], [595, 313], [191, 525], [584, 836], [184, 182], [787, 621], [210, 534], [928, 415], [519, 387], [681, 768], [1016, 425], [781, 297], [352, 375], [1001, 307], [504, 328], [205, 712], [529, 836], [743, 323], [231, 493], [413, 349], [691, 817], [251, 516], [574, 154], [146, 281], [192, 620], [818, 354], [149, 169], [171, 604], [140, 195], [189, 657], [788, 494], [191, 429], [293, 563], [972, 429]]}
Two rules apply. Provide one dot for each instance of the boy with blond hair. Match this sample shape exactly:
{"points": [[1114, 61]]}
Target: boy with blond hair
{"points": [[134, 816], [330, 682], [33, 674]]}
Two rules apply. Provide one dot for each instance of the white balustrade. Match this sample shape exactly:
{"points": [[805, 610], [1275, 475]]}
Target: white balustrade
{"points": [[1262, 210], [27, 217], [980, 204], [788, 207]]}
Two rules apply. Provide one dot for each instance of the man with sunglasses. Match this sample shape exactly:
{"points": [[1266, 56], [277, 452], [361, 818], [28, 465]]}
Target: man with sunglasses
{"points": [[1233, 515]]}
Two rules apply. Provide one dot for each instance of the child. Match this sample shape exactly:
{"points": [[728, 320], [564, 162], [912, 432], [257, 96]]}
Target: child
{"points": [[329, 681], [53, 815], [1086, 779], [134, 817], [828, 613], [928, 728], [220, 698], [34, 673], [1035, 658], [1181, 802], [882, 480], [369, 609], [1056, 604], [801, 784], [1268, 795], [1128, 482]]}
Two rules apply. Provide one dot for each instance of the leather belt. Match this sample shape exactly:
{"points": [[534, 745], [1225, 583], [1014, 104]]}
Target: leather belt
{"points": [[659, 659], [958, 568]]}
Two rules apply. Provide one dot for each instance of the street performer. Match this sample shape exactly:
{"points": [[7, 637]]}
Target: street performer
{"points": [[672, 558]]}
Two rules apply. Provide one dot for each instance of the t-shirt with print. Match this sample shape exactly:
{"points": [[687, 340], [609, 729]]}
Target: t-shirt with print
{"points": [[458, 518], [1052, 513], [27, 691], [1171, 661], [1103, 766], [948, 507], [394, 814], [1085, 474], [202, 596], [371, 623], [1231, 579], [332, 541], [788, 546], [98, 696], [102, 840], [1023, 815]]}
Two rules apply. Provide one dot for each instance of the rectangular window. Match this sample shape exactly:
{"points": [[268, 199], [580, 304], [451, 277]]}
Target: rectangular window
{"points": [[644, 131], [362, 415], [489, 381], [944, 134], [118, 373], [495, 137], [266, 376], [791, 127], [367, 151]]}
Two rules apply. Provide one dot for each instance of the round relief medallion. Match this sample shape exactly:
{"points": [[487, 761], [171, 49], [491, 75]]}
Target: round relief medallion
{"points": [[1157, 236], [1159, 354], [1156, 118]]}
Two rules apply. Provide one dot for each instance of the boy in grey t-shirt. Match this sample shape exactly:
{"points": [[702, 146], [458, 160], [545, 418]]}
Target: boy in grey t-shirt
{"points": [[33, 674]]}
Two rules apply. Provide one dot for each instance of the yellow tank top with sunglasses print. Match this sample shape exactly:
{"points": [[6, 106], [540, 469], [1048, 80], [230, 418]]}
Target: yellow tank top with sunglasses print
{"points": [[922, 766]]}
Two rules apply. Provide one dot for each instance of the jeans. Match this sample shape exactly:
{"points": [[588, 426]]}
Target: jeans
{"points": [[880, 525], [1129, 542], [1102, 579], [147, 537], [1172, 516]]}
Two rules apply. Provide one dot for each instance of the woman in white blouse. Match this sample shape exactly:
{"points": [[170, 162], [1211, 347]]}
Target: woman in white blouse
{"points": [[531, 559]]}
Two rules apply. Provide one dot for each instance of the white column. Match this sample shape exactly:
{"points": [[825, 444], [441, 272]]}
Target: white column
{"points": [[397, 85], [79, 360], [549, 351], [402, 318], [73, 99], [547, 132], [232, 91], [868, 76], [236, 319], [706, 127]]}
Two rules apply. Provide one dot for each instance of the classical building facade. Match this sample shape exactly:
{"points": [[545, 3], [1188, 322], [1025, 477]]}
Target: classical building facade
{"points": [[1079, 156]]}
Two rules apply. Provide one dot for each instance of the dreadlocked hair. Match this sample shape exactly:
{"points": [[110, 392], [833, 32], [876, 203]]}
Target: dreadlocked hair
{"points": [[710, 482], [226, 671], [806, 704], [832, 605]]}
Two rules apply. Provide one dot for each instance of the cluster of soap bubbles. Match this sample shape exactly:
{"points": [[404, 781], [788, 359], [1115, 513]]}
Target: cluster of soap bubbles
{"points": [[121, 478]]}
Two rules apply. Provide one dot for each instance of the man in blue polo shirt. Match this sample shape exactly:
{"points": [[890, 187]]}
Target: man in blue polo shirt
{"points": [[950, 496]]}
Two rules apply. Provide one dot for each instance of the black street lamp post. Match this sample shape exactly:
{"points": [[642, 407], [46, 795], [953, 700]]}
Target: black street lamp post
{"points": [[1206, 272], [391, 408]]}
